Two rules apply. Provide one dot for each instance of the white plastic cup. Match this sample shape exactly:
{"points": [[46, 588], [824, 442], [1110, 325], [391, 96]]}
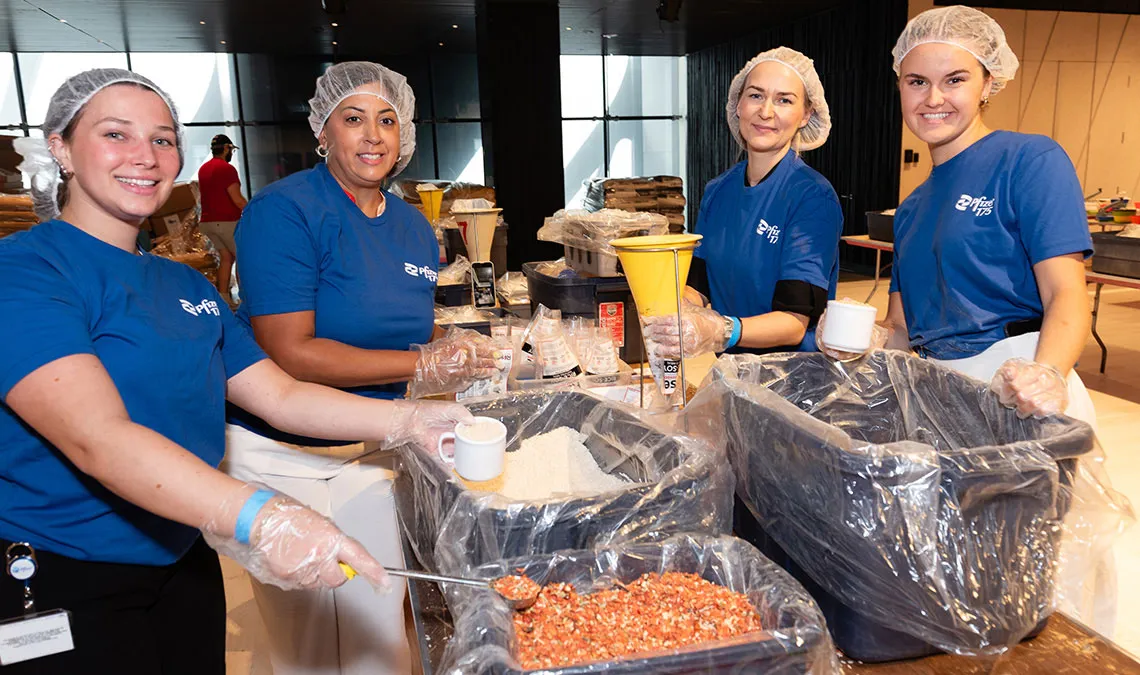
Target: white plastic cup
{"points": [[480, 449], [849, 326]]}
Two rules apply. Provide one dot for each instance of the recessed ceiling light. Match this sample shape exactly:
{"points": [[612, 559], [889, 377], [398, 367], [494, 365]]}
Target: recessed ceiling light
{"points": [[201, 23], [455, 25], [334, 43], [569, 28], [441, 44], [335, 24], [223, 41]]}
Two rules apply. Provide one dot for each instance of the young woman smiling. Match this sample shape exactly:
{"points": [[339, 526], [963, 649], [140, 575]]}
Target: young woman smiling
{"points": [[768, 261]]}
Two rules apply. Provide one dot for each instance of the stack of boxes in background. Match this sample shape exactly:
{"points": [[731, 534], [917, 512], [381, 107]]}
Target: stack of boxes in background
{"points": [[656, 194], [16, 213]]}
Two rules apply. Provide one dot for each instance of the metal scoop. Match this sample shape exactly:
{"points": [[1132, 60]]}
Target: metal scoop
{"points": [[516, 605]]}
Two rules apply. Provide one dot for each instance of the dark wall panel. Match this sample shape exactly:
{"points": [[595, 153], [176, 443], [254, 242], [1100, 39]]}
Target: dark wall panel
{"points": [[851, 47], [519, 85]]}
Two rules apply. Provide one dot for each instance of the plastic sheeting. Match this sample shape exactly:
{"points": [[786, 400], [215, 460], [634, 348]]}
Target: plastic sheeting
{"points": [[906, 493], [594, 230], [795, 640], [678, 484]]}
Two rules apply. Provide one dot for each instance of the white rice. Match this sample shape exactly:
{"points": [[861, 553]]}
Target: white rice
{"points": [[551, 464]]}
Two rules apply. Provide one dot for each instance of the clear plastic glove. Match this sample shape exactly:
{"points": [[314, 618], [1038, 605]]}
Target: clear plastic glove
{"points": [[1032, 388], [453, 362], [879, 338], [701, 328], [423, 422], [291, 546]]}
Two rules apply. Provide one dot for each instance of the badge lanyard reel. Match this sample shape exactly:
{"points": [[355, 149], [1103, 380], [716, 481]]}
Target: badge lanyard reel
{"points": [[35, 634]]}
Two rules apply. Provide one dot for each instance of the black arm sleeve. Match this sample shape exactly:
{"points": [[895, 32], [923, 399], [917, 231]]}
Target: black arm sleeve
{"points": [[699, 277], [799, 297]]}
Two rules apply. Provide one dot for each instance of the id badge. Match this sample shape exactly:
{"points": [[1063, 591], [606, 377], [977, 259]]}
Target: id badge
{"points": [[35, 636]]}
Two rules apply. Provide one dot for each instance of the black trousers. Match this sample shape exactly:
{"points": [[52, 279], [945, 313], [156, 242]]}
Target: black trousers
{"points": [[128, 619]]}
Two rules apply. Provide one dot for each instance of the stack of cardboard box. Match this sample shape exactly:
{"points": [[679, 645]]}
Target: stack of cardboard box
{"points": [[656, 194]]}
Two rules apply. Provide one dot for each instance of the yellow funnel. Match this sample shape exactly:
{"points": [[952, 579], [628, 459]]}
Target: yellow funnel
{"points": [[648, 266], [432, 198]]}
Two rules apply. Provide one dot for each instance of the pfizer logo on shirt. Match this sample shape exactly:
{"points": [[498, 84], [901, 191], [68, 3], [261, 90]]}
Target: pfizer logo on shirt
{"points": [[771, 232], [980, 206]]}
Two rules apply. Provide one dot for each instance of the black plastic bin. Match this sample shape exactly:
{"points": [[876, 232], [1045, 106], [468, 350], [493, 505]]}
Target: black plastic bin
{"points": [[921, 514], [589, 297], [794, 642], [1116, 255], [880, 226], [677, 484], [453, 295]]}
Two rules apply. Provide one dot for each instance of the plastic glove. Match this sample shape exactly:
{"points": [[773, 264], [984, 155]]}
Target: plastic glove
{"points": [[702, 329], [1032, 388], [453, 362], [879, 337], [423, 422], [291, 546]]}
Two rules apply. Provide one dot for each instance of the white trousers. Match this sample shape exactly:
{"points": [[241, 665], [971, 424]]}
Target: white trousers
{"points": [[1086, 575], [350, 630]]}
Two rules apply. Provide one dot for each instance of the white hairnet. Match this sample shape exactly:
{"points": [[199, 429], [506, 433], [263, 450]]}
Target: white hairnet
{"points": [[40, 165], [343, 79], [964, 27], [819, 124]]}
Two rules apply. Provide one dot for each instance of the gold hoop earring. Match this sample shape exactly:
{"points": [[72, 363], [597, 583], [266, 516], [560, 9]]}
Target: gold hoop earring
{"points": [[322, 152], [985, 101]]}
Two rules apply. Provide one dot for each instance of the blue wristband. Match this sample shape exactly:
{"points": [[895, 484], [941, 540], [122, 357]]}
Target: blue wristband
{"points": [[737, 329], [248, 512]]}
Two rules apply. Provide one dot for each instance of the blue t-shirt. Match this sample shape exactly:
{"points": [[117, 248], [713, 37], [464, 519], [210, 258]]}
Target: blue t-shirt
{"points": [[785, 228], [304, 246], [966, 241], [169, 343]]}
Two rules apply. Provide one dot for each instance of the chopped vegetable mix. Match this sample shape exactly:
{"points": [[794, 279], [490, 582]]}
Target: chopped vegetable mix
{"points": [[656, 612]]}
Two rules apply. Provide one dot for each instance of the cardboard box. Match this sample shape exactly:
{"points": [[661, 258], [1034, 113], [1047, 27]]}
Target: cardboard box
{"points": [[182, 203]]}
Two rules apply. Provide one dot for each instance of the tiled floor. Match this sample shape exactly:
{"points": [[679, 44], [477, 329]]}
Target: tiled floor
{"points": [[1117, 398]]}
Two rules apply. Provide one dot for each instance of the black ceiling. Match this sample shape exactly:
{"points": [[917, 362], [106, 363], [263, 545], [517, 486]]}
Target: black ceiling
{"points": [[371, 27]]}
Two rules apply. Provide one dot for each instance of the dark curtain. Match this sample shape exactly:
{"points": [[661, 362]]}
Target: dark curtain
{"points": [[851, 46]]}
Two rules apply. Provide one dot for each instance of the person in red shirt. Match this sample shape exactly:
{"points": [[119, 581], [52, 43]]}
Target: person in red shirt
{"points": [[222, 203]]}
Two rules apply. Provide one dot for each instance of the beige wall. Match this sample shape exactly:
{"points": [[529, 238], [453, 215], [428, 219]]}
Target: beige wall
{"points": [[1079, 83]]}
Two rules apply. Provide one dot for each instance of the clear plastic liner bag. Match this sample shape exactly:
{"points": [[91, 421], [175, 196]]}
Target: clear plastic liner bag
{"points": [[455, 273], [676, 483], [794, 639], [594, 230], [513, 289], [906, 497]]}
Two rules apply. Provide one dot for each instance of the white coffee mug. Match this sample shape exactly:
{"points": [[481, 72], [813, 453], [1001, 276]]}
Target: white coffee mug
{"points": [[849, 326], [480, 449]]}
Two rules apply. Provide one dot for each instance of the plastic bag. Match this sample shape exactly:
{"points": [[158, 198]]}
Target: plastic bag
{"points": [[678, 484], [546, 341], [455, 273], [513, 289], [918, 506], [556, 268], [795, 639], [594, 230], [450, 316]]}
